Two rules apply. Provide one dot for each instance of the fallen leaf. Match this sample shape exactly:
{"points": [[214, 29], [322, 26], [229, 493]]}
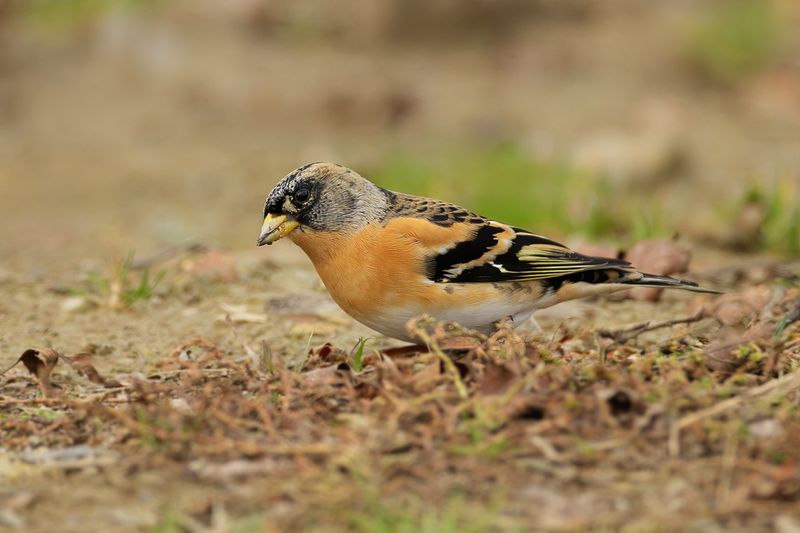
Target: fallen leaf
{"points": [[660, 257], [460, 343], [597, 250], [40, 363], [405, 350], [328, 352], [212, 265], [496, 379], [426, 378], [735, 307], [83, 364]]}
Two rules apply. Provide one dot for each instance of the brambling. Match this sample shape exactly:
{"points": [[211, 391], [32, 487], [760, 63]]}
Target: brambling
{"points": [[387, 257]]}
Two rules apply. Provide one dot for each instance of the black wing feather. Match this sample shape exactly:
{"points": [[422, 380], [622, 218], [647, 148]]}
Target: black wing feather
{"points": [[484, 240], [530, 257]]}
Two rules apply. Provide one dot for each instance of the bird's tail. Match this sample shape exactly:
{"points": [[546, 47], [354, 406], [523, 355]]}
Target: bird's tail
{"points": [[640, 279]]}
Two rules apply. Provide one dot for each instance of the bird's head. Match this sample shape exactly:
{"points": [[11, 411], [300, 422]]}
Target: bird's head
{"points": [[321, 197]]}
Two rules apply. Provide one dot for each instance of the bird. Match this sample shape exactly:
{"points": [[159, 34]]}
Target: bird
{"points": [[387, 257]]}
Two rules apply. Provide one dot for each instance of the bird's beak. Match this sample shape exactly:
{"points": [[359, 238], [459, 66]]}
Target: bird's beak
{"points": [[276, 227]]}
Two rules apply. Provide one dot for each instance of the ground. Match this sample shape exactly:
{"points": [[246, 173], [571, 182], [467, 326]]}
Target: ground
{"points": [[200, 383]]}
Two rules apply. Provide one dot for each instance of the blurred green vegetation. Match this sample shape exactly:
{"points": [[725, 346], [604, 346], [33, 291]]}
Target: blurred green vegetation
{"points": [[507, 183], [119, 289], [65, 15], [455, 515], [780, 202], [357, 354], [735, 38]]}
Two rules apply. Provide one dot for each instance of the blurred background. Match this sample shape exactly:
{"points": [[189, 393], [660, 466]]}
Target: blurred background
{"points": [[137, 124]]}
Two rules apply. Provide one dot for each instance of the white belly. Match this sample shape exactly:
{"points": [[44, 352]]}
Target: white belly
{"points": [[392, 322]]}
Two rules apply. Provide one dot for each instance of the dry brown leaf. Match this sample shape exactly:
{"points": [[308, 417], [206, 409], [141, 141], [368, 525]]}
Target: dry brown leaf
{"points": [[40, 362], [657, 256], [597, 250], [497, 378], [458, 343], [83, 364], [329, 353], [425, 379], [405, 351], [734, 308], [212, 265]]}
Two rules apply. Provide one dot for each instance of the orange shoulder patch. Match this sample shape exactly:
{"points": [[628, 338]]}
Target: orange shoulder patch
{"points": [[427, 233]]}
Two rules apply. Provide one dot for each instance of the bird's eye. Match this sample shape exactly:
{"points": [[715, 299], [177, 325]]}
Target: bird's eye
{"points": [[301, 195]]}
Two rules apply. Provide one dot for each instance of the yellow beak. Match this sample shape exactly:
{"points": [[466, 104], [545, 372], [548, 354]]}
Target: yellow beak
{"points": [[274, 228]]}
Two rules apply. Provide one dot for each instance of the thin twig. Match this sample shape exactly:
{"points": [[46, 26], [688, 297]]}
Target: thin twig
{"points": [[244, 344], [624, 334], [38, 401], [451, 368]]}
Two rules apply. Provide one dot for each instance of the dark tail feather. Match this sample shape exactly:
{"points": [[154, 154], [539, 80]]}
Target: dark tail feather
{"points": [[641, 279]]}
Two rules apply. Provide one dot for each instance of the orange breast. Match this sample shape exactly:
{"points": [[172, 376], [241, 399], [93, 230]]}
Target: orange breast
{"points": [[383, 266]]}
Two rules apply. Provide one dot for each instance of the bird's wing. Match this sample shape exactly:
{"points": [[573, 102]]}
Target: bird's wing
{"points": [[496, 252]]}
